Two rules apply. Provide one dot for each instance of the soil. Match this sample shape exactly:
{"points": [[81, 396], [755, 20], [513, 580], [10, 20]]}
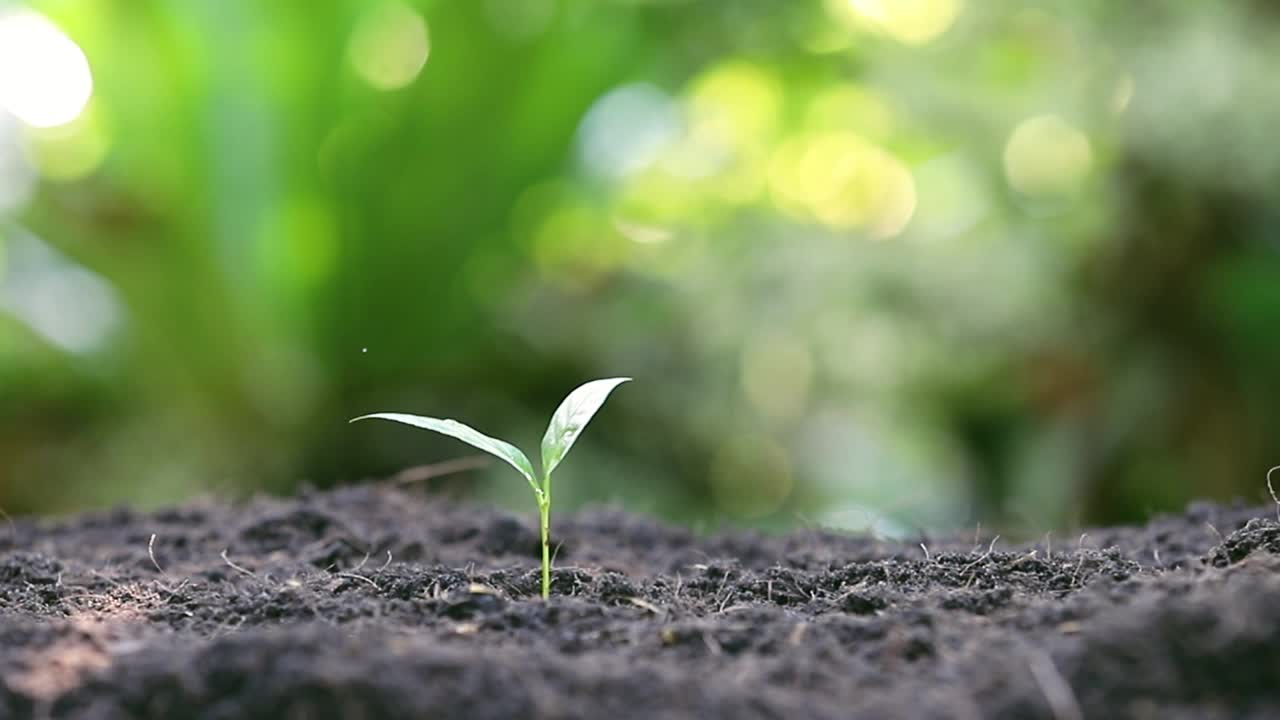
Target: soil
{"points": [[369, 602]]}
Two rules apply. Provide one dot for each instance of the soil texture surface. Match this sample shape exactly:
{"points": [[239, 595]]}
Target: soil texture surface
{"points": [[369, 602]]}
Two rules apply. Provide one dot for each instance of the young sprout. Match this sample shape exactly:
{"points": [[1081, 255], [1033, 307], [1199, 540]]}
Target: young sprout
{"points": [[565, 427]]}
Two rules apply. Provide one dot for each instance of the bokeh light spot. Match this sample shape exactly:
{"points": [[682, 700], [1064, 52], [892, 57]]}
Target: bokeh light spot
{"points": [[913, 22], [658, 199], [625, 130], [576, 246], [896, 203], [736, 102], [785, 183], [844, 182], [1045, 156], [953, 197], [390, 46], [44, 76]]}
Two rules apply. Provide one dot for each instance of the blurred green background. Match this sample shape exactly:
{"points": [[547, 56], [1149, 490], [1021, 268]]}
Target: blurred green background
{"points": [[884, 264]]}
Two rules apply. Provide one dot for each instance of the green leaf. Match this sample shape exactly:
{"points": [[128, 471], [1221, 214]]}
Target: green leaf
{"points": [[571, 417], [455, 429]]}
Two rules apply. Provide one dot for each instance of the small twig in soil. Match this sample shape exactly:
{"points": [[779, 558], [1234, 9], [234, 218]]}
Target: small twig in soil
{"points": [[1215, 532], [1055, 688], [173, 591], [1075, 576], [354, 576], [1272, 490], [926, 553], [990, 548], [388, 562], [421, 473], [227, 560], [151, 552], [645, 604], [729, 595], [1025, 558]]}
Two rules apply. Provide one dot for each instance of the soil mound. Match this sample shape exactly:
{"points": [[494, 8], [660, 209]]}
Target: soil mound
{"points": [[368, 602]]}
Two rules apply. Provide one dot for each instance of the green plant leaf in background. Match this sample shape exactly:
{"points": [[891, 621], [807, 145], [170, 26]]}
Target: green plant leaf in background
{"points": [[506, 451], [571, 417]]}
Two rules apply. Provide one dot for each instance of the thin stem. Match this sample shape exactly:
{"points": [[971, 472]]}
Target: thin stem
{"points": [[544, 512], [544, 509]]}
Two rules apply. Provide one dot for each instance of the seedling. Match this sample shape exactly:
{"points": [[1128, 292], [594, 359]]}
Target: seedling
{"points": [[566, 425], [1271, 489]]}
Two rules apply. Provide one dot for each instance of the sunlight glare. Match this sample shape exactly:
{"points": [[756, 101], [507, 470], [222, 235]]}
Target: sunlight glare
{"points": [[44, 76]]}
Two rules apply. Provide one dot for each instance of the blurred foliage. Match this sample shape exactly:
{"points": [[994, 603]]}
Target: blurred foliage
{"points": [[872, 264]]}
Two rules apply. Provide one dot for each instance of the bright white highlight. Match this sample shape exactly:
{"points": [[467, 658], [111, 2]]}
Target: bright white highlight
{"points": [[44, 76]]}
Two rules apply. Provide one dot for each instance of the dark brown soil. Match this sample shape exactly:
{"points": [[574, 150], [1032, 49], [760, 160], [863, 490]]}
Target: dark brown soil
{"points": [[372, 603]]}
